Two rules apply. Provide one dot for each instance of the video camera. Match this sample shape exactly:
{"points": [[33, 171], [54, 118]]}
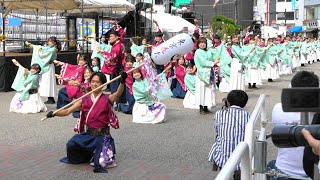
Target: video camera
{"points": [[302, 100]]}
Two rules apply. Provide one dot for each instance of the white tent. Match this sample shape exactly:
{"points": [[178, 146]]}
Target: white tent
{"points": [[170, 23], [72, 6]]}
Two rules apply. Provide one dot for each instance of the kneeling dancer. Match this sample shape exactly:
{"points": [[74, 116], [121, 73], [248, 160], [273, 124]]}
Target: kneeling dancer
{"points": [[94, 141]]}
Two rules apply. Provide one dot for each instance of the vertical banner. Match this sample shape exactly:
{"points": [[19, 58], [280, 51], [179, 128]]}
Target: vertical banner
{"points": [[294, 4]]}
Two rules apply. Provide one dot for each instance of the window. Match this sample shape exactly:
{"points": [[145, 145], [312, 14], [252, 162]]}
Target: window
{"points": [[158, 2], [281, 0], [285, 16], [311, 13], [296, 13]]}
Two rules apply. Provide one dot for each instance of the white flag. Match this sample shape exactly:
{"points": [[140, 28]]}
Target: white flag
{"points": [[215, 3]]}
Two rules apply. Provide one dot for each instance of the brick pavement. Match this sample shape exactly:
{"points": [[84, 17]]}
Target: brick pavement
{"points": [[26, 162]]}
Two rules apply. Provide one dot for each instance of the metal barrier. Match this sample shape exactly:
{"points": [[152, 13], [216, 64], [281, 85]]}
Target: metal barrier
{"points": [[244, 151]]}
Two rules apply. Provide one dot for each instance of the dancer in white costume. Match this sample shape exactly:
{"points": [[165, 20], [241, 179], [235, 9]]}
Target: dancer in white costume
{"points": [[272, 70], [303, 51], [204, 59], [189, 100], [254, 73], [238, 65], [145, 109], [44, 56], [26, 83]]}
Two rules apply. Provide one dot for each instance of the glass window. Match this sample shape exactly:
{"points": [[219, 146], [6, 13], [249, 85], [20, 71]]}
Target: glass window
{"points": [[158, 2], [310, 13], [281, 0], [285, 16]]}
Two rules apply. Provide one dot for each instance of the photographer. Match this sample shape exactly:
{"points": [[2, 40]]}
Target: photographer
{"points": [[314, 143], [229, 125], [290, 160]]}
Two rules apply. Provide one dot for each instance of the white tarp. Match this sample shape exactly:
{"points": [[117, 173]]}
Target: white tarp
{"points": [[72, 6], [171, 23]]}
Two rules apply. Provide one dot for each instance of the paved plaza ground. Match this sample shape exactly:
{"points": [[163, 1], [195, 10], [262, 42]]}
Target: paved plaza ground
{"points": [[176, 149]]}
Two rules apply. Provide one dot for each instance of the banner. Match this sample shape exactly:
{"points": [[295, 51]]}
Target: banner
{"points": [[294, 4], [84, 30], [11, 22]]}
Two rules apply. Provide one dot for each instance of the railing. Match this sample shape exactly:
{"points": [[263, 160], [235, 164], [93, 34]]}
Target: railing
{"points": [[244, 152]]}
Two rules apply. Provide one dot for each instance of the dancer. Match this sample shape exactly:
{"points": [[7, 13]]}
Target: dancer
{"points": [[128, 105], [44, 56], [95, 64], [135, 49], [178, 87], [26, 83], [146, 109], [71, 76], [204, 60], [94, 140], [113, 60], [189, 100], [102, 46]]}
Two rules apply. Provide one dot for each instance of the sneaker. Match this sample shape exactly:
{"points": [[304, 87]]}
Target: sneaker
{"points": [[111, 165]]}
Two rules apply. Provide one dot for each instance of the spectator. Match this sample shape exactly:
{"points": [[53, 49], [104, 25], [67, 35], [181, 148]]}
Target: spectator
{"points": [[233, 118], [290, 160]]}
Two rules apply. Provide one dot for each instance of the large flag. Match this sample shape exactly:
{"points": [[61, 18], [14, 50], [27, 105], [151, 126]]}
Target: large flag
{"points": [[215, 3], [158, 82]]}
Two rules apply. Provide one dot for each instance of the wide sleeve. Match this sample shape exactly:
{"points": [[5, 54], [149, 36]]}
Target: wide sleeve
{"points": [[201, 60], [225, 63], [135, 49], [141, 93], [238, 52]]}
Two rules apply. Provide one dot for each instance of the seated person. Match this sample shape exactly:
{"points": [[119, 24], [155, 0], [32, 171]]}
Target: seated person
{"points": [[26, 83], [235, 118], [146, 109], [290, 160]]}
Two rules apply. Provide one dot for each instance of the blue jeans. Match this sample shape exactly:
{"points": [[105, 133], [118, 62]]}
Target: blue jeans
{"points": [[272, 165]]}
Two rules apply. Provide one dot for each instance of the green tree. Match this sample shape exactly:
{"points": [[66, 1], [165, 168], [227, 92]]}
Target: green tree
{"points": [[224, 25]]}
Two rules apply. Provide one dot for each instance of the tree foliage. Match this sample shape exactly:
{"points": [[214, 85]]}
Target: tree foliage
{"points": [[224, 25]]}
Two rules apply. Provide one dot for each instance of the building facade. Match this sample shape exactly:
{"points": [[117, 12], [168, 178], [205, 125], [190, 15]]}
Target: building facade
{"points": [[239, 10], [312, 18]]}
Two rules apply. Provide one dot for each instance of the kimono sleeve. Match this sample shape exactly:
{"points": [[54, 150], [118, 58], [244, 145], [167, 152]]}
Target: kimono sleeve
{"points": [[200, 59]]}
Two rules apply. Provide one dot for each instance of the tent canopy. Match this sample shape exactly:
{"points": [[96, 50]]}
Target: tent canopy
{"points": [[295, 29], [72, 6]]}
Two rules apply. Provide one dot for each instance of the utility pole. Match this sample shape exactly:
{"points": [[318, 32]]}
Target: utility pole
{"points": [[236, 12], [285, 17], [3, 28]]}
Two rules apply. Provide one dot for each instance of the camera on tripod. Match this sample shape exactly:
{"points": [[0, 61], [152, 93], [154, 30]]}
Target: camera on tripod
{"points": [[304, 100]]}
